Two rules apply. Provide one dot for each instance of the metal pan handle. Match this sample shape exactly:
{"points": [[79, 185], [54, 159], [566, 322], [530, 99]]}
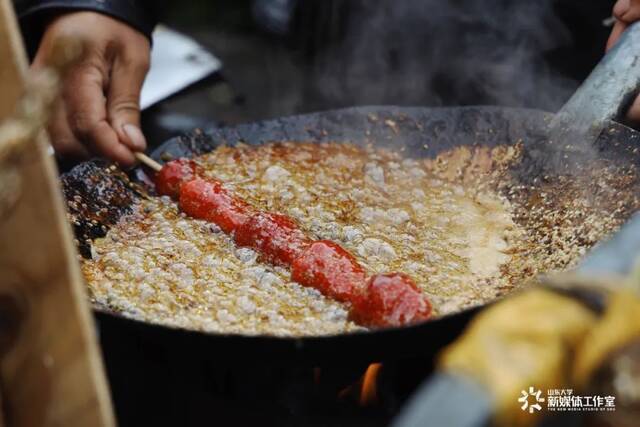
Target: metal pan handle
{"points": [[607, 93]]}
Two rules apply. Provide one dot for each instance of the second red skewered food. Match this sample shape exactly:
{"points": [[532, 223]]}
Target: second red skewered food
{"points": [[384, 300]]}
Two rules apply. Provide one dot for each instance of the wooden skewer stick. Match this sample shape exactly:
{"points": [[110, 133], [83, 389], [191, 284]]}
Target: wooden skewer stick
{"points": [[148, 161]]}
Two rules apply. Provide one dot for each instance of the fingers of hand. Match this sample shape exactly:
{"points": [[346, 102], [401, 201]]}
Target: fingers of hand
{"points": [[87, 116], [64, 142], [105, 142], [627, 11], [621, 8], [633, 114], [85, 120], [123, 97], [617, 31]]}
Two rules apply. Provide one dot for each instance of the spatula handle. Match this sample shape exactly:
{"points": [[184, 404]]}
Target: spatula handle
{"points": [[610, 89]]}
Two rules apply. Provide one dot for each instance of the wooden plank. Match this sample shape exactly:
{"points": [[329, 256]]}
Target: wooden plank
{"points": [[50, 370], [14, 60]]}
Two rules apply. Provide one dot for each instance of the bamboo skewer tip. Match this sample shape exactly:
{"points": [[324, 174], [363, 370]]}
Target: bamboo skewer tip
{"points": [[148, 161]]}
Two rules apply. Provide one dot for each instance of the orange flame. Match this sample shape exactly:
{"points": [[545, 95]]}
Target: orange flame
{"points": [[369, 389]]}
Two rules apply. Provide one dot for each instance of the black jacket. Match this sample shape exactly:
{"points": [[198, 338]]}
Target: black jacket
{"points": [[34, 14]]}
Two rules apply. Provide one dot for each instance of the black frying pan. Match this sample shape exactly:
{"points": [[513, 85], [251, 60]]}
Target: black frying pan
{"points": [[420, 132]]}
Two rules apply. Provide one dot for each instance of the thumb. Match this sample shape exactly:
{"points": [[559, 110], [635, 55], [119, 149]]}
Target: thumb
{"points": [[123, 101]]}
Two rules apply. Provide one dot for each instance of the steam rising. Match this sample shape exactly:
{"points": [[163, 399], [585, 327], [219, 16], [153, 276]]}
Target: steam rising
{"points": [[437, 52]]}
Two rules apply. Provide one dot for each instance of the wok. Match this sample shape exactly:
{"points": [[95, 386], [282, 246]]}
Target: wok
{"points": [[419, 132]]}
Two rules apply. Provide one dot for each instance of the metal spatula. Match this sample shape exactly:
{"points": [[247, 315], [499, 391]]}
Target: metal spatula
{"points": [[606, 94]]}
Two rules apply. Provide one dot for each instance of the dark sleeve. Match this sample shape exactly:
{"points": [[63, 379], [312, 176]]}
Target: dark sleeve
{"points": [[142, 15]]}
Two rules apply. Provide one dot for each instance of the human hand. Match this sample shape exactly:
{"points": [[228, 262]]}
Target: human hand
{"points": [[626, 13], [98, 111]]}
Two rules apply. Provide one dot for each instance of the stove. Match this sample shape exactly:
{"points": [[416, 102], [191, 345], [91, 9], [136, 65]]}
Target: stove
{"points": [[156, 385]]}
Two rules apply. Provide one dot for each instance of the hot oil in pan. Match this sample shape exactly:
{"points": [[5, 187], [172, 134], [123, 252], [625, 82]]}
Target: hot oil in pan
{"points": [[460, 225]]}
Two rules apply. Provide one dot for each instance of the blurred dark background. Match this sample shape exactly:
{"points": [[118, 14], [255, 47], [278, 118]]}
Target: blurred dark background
{"points": [[283, 57]]}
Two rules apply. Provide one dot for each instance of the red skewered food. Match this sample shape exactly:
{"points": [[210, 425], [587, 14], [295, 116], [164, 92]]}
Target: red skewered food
{"points": [[332, 270], [209, 200], [383, 300], [277, 237], [391, 299], [173, 174]]}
